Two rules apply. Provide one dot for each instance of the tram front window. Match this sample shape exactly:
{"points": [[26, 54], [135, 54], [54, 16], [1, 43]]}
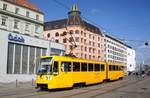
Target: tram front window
{"points": [[45, 66]]}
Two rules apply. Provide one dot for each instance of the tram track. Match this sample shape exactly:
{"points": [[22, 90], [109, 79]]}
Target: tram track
{"points": [[125, 83], [29, 93]]}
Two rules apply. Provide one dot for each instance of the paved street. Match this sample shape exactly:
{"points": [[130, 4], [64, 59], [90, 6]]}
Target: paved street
{"points": [[129, 87]]}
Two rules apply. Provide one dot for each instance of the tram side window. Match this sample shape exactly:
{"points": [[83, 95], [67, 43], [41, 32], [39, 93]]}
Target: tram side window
{"points": [[83, 66], [114, 67], [121, 67], [117, 68], [55, 68], [110, 67], [90, 67], [102, 67], [97, 67], [66, 66], [76, 66]]}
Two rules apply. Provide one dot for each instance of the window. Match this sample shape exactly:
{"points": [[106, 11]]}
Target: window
{"points": [[55, 68], [102, 67], [98, 39], [85, 48], [4, 6], [64, 33], [76, 66], [89, 35], [90, 50], [77, 39], [16, 24], [71, 39], [99, 45], [97, 67], [64, 40], [93, 44], [48, 35], [114, 67], [84, 34], [117, 68], [110, 68], [89, 42], [10, 58], [83, 66], [66, 66], [71, 47], [16, 10], [90, 67], [37, 17], [85, 56], [81, 40], [27, 27], [27, 13], [77, 31], [57, 41], [93, 37], [56, 34], [36, 28], [81, 32], [71, 31], [4, 21], [84, 41], [81, 48], [89, 56]]}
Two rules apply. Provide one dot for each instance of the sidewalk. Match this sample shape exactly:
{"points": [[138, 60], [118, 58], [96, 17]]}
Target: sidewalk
{"points": [[16, 85]]}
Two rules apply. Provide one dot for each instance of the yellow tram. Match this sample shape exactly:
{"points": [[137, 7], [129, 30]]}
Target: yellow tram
{"points": [[63, 72]]}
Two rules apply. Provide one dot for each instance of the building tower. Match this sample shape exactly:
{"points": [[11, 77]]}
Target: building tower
{"points": [[80, 38]]}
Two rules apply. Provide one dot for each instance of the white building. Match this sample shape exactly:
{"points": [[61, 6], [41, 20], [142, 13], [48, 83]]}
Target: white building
{"points": [[115, 50], [21, 43], [131, 59], [21, 17]]}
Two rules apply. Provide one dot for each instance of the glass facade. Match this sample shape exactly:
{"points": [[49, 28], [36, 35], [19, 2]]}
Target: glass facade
{"points": [[23, 59]]}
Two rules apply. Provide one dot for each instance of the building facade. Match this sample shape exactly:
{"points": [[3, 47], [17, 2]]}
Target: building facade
{"points": [[22, 17], [131, 59], [21, 41], [115, 50], [81, 38]]}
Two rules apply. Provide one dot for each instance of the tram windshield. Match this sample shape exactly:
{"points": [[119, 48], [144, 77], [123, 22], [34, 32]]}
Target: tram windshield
{"points": [[45, 66]]}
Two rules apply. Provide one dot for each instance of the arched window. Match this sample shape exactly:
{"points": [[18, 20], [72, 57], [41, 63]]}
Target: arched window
{"points": [[48, 35], [71, 31], [56, 34]]}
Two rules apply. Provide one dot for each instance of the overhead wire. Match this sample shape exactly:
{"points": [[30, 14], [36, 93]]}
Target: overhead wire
{"points": [[102, 28]]}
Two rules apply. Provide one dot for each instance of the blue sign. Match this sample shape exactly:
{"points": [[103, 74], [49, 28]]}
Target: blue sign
{"points": [[16, 38]]}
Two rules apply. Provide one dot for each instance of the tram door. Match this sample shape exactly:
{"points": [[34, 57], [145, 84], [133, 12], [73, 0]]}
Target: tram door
{"points": [[66, 74]]}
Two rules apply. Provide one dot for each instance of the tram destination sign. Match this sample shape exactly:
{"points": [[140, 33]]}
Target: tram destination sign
{"points": [[17, 38]]}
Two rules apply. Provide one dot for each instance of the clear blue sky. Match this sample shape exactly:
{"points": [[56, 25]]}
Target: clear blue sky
{"points": [[124, 19]]}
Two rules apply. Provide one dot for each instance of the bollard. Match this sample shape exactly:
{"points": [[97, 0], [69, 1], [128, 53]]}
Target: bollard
{"points": [[16, 83]]}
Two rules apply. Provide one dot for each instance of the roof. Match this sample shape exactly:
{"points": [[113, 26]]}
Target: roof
{"points": [[62, 23], [24, 3], [117, 40]]}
